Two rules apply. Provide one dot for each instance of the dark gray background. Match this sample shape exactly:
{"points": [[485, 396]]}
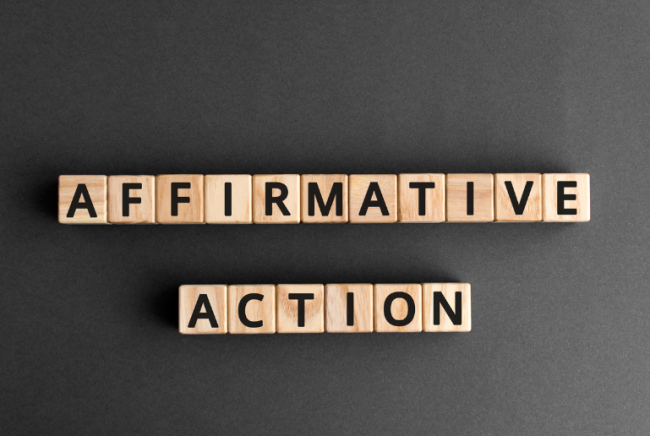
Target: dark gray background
{"points": [[560, 340]]}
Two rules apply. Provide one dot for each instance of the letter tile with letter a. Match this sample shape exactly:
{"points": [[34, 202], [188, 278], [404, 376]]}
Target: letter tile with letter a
{"points": [[348, 308], [83, 200], [251, 309], [276, 199], [300, 308], [324, 198], [373, 198], [398, 308], [566, 197], [131, 200], [447, 307], [202, 309], [179, 199], [518, 197]]}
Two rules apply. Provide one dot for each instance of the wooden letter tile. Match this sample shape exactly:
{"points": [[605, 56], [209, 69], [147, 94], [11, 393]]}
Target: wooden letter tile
{"points": [[179, 199], [518, 197], [566, 197], [373, 198], [470, 198], [324, 198], [398, 308], [202, 309], [300, 308], [82, 200], [131, 200], [228, 199], [276, 199], [447, 307], [349, 308], [421, 198], [251, 309]]}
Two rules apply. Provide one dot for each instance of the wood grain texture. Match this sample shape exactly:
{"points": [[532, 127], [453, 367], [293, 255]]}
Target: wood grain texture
{"points": [[96, 187], [187, 213], [325, 182], [359, 184], [457, 207], [448, 291], [336, 308], [241, 205], [292, 201], [188, 296], [287, 309], [255, 310], [408, 198], [399, 308], [138, 213], [581, 205], [503, 206]]}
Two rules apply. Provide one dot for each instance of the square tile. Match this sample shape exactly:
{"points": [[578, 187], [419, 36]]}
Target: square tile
{"points": [[202, 309], [131, 200], [83, 200], [276, 199], [566, 197], [324, 198], [179, 199], [447, 307], [228, 199], [470, 198], [518, 197], [251, 309], [349, 308], [299, 308], [421, 198], [398, 308], [373, 198]]}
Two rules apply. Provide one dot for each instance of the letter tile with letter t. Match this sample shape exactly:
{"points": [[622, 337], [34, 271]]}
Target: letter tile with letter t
{"points": [[398, 308], [251, 309], [83, 200], [447, 307], [300, 309], [276, 199], [566, 197], [202, 309]]}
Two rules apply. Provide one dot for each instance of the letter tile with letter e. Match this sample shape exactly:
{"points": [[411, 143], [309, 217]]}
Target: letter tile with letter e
{"points": [[179, 199], [566, 197], [447, 307], [300, 308], [131, 200], [518, 197], [373, 198], [398, 308], [202, 309], [470, 198], [251, 309], [349, 308], [276, 199], [324, 198], [83, 200]]}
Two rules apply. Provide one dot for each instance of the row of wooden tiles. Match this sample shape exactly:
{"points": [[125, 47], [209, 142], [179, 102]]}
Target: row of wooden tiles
{"points": [[332, 308], [323, 198]]}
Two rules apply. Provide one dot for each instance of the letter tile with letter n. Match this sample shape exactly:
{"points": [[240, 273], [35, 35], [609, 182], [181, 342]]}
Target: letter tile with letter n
{"points": [[276, 199], [447, 307], [202, 309], [566, 197], [300, 308], [518, 197], [131, 200], [324, 198], [421, 198], [470, 198], [398, 308], [349, 308], [83, 200], [373, 198], [228, 199], [251, 309], [179, 199]]}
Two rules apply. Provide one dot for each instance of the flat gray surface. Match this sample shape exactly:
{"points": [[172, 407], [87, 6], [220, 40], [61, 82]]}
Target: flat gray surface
{"points": [[560, 343]]}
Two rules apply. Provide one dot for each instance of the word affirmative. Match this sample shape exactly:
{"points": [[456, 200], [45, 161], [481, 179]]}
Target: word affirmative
{"points": [[323, 198], [333, 308]]}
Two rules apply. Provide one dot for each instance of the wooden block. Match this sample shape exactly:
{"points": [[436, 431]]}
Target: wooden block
{"points": [[373, 198], [131, 200], [470, 198], [276, 199], [324, 198], [300, 308], [447, 307], [566, 197], [421, 198], [179, 199], [349, 308], [82, 200], [518, 197], [398, 308], [228, 199], [202, 309], [251, 309]]}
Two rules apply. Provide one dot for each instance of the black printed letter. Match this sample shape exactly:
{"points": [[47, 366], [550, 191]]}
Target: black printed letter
{"points": [[519, 206], [242, 310], [422, 194], [126, 200], [409, 315], [176, 199], [208, 314], [301, 306], [369, 202], [87, 203], [270, 199], [314, 193], [562, 197], [440, 300]]}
